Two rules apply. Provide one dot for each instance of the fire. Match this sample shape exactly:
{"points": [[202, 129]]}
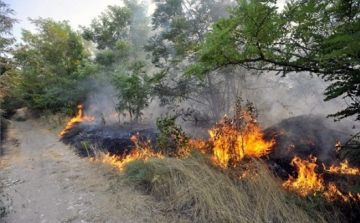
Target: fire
{"points": [[343, 169], [119, 161], [231, 142], [307, 182], [334, 193], [142, 151], [78, 118]]}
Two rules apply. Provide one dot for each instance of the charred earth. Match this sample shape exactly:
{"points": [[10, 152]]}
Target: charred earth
{"points": [[114, 139]]}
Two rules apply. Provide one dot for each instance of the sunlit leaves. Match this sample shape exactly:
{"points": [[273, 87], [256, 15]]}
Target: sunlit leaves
{"points": [[109, 27], [319, 37], [49, 60]]}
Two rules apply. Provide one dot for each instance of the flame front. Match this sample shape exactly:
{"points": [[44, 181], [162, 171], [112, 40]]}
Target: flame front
{"points": [[343, 169], [231, 144], [231, 140], [333, 193], [143, 151], [119, 161], [78, 118], [307, 182]]}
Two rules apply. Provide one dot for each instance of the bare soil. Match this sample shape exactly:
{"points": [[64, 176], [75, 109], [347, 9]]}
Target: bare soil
{"points": [[43, 180]]}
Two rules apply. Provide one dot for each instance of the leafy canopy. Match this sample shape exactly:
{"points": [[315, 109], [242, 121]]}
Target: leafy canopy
{"points": [[50, 59], [180, 27], [133, 86], [320, 37], [119, 33], [6, 39]]}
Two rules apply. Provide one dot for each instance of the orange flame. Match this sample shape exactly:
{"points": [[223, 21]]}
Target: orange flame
{"points": [[118, 161], [307, 182], [333, 193], [231, 144], [143, 151], [343, 169], [78, 118]]}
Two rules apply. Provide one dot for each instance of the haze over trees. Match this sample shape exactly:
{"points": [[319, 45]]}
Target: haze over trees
{"points": [[193, 56], [198, 61], [318, 37]]}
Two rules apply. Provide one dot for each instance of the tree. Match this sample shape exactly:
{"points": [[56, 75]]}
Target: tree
{"points": [[318, 37], [119, 33], [49, 60], [132, 90], [6, 38], [180, 26], [6, 64]]}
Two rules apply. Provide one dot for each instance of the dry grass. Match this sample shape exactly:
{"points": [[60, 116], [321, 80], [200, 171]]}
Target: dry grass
{"points": [[191, 188], [53, 122], [131, 205]]}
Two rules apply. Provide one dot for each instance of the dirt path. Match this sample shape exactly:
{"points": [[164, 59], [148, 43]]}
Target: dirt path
{"points": [[44, 181]]}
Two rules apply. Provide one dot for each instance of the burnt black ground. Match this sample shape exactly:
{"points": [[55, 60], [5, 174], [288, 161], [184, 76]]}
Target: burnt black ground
{"points": [[114, 139], [300, 136], [306, 135], [297, 136]]}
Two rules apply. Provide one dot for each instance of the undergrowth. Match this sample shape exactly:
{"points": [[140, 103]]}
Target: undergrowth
{"points": [[193, 188]]}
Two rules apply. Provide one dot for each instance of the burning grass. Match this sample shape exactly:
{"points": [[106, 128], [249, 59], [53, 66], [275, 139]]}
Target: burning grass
{"points": [[77, 119], [307, 181], [191, 187], [121, 161], [344, 168], [238, 191], [233, 138]]}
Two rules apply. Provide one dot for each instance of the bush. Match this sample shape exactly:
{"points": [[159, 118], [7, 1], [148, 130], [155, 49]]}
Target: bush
{"points": [[171, 139]]}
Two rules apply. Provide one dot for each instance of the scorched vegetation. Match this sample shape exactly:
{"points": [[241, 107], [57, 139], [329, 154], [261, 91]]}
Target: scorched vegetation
{"points": [[168, 98]]}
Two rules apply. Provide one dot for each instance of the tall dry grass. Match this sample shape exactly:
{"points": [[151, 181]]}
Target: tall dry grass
{"points": [[193, 189]]}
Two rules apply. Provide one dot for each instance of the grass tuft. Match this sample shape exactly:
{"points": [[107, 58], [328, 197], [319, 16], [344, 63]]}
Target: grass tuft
{"points": [[192, 188]]}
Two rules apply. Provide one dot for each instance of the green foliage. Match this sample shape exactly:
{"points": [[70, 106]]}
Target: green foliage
{"points": [[6, 38], [9, 100], [133, 90], [181, 26], [119, 33], [139, 175], [109, 27], [171, 138], [320, 37], [50, 61], [7, 66]]}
